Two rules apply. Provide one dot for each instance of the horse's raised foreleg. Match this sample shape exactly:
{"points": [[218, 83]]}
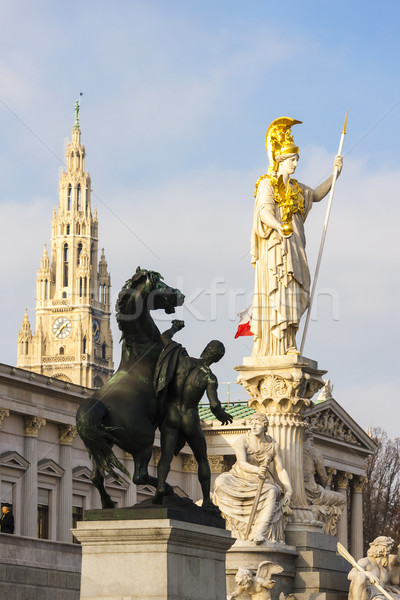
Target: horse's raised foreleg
{"points": [[97, 478]]}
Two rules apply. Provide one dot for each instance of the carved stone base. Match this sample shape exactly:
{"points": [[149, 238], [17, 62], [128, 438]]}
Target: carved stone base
{"points": [[250, 556], [282, 387], [151, 559]]}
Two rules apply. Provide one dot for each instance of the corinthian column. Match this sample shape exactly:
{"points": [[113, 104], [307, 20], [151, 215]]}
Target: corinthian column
{"points": [[357, 539], [342, 483], [281, 387], [67, 434], [30, 481]]}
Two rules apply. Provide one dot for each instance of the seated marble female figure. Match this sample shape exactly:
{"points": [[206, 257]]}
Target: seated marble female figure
{"points": [[258, 458]]}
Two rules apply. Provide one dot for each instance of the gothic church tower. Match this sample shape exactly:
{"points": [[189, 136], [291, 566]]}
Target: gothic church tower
{"points": [[73, 340]]}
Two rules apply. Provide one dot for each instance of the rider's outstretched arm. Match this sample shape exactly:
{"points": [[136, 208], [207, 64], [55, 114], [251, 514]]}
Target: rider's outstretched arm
{"points": [[167, 335]]}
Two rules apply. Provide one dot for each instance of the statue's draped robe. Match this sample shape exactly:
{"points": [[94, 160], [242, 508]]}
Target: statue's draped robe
{"points": [[282, 277], [235, 492]]}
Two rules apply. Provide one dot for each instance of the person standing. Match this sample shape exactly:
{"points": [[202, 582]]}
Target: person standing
{"points": [[7, 519]]}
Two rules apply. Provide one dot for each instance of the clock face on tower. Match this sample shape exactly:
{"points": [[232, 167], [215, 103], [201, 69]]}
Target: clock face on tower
{"points": [[62, 327], [96, 329]]}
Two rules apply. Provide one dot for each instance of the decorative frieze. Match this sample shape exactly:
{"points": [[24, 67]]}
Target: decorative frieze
{"points": [[329, 424]]}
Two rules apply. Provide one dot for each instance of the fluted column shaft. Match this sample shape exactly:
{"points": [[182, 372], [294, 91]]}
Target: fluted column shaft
{"points": [[357, 538], [64, 506], [342, 482], [131, 492], [30, 481]]}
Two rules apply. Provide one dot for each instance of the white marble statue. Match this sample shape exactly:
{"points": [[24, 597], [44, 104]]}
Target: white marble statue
{"points": [[282, 278], [326, 504], [257, 585], [258, 465], [379, 567]]}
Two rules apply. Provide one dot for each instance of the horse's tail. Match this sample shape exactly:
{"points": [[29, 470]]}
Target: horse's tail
{"points": [[98, 438]]}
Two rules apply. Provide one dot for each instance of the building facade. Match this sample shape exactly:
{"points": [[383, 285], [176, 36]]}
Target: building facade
{"points": [[73, 340], [45, 468]]}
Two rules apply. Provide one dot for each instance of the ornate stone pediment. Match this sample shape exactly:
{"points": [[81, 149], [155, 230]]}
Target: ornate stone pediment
{"points": [[330, 420], [82, 474], [111, 482], [14, 460], [50, 467]]}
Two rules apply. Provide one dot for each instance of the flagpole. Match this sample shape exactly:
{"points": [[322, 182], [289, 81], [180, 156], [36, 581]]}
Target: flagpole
{"points": [[321, 248]]}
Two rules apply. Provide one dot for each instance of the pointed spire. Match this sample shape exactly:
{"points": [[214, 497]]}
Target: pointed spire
{"points": [[25, 333], [44, 263], [77, 108]]}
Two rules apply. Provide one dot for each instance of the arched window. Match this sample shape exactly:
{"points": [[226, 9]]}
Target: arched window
{"points": [[64, 294], [68, 229], [62, 351], [65, 265], [91, 253], [84, 345], [80, 287], [69, 197], [79, 252], [100, 288], [85, 290], [83, 229], [78, 197], [103, 350], [45, 289], [78, 229]]}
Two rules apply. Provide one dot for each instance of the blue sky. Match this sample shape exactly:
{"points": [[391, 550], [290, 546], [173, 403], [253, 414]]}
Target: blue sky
{"points": [[177, 99]]}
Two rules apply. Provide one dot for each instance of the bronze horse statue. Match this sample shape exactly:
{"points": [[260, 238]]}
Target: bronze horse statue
{"points": [[125, 411]]}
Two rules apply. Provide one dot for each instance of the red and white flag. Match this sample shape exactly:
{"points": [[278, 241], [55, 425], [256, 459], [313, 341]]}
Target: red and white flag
{"points": [[244, 322]]}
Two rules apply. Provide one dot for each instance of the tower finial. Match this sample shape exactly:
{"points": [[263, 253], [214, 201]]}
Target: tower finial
{"points": [[77, 107]]}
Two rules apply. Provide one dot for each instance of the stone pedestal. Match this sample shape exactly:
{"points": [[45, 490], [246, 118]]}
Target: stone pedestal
{"points": [[282, 387], [321, 574], [243, 554], [131, 557]]}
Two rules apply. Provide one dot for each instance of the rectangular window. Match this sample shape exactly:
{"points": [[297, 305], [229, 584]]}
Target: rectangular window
{"points": [[43, 522], [43, 514], [6, 489]]}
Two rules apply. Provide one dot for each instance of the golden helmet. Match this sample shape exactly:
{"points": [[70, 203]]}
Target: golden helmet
{"points": [[279, 141]]}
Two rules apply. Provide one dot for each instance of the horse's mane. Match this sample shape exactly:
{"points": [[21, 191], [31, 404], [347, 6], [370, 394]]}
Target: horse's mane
{"points": [[126, 292]]}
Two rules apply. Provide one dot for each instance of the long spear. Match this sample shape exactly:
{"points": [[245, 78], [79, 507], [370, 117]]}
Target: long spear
{"points": [[321, 248]]}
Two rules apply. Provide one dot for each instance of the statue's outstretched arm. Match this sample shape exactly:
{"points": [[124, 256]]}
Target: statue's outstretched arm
{"points": [[322, 190], [167, 335], [215, 404]]}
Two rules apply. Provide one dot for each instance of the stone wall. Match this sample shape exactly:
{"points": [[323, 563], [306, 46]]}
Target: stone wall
{"points": [[32, 569]]}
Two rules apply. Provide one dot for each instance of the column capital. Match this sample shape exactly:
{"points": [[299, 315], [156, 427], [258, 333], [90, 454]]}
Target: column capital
{"points": [[331, 472], [189, 464], [217, 463], [4, 412], [359, 482], [67, 434], [343, 479], [32, 424]]}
